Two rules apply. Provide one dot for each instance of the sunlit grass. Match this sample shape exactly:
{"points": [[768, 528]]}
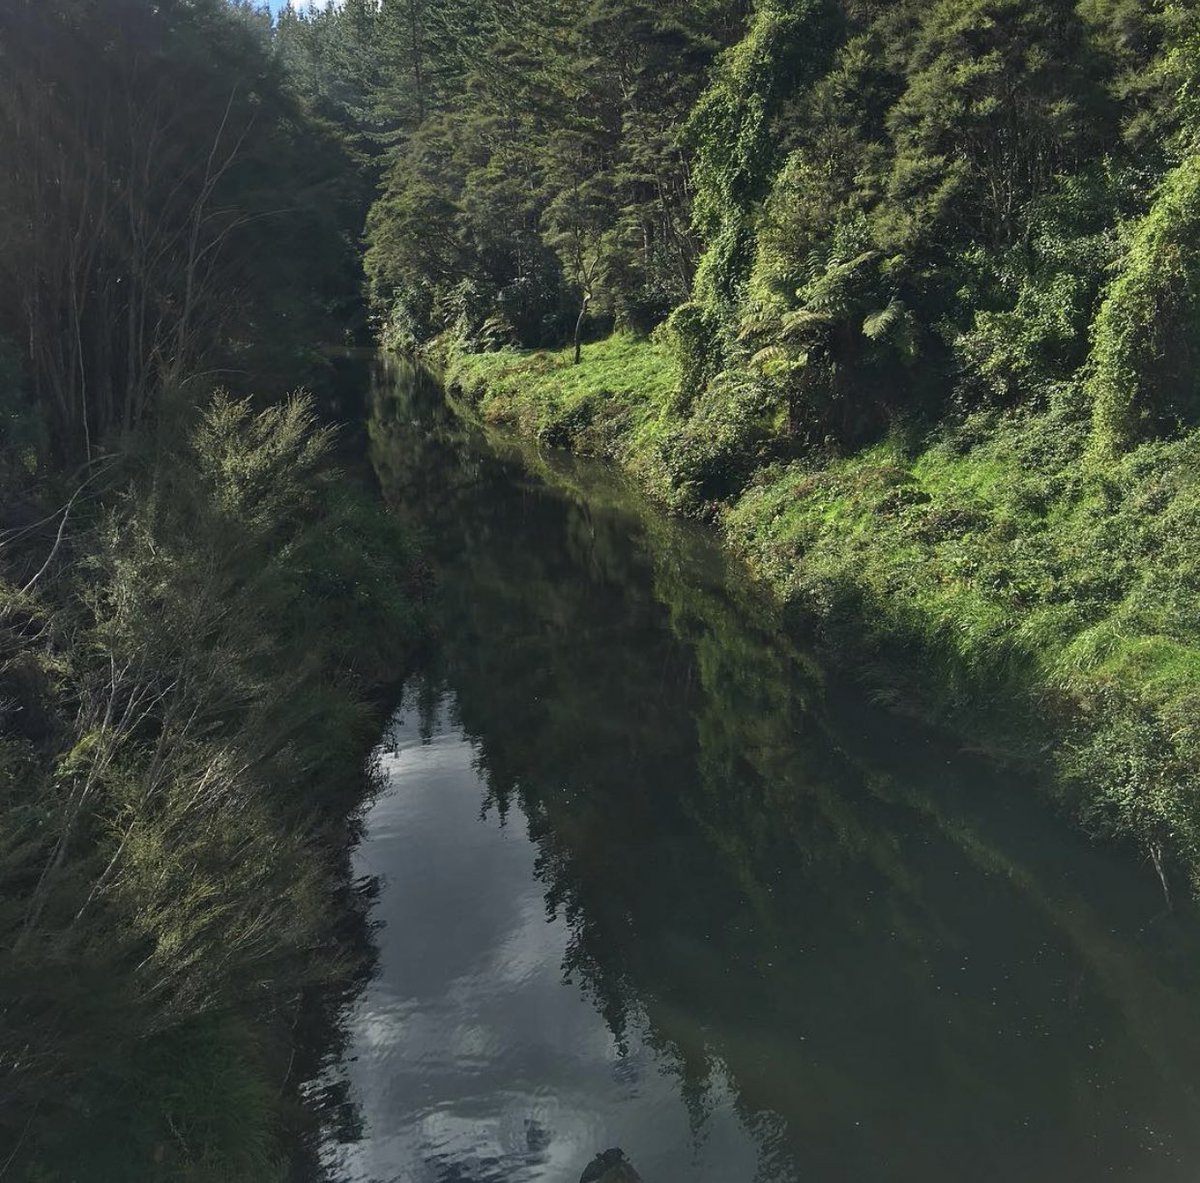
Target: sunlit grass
{"points": [[621, 382], [1008, 587]]}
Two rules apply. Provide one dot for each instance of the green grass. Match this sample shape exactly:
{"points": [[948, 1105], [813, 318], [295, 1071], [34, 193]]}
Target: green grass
{"points": [[1027, 590], [620, 389], [989, 576]]}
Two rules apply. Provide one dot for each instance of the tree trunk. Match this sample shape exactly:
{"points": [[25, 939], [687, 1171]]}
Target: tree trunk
{"points": [[579, 329], [414, 20]]}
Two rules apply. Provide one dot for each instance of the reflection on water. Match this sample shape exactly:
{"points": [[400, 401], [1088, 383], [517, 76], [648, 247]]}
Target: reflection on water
{"points": [[473, 1059], [648, 880]]}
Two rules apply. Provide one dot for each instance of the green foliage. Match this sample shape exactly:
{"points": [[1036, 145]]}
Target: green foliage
{"points": [[1181, 70], [1048, 290], [622, 382], [820, 346], [451, 245], [693, 332], [1143, 377], [702, 460], [151, 211], [733, 133], [1000, 96], [878, 199], [989, 554], [195, 609], [885, 211], [554, 178], [185, 732]]}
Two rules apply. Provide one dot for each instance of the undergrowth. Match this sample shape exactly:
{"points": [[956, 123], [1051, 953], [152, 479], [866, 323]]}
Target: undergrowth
{"points": [[188, 657]]}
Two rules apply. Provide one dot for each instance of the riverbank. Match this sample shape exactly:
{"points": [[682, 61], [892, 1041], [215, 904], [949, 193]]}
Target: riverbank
{"points": [[981, 575], [190, 683]]}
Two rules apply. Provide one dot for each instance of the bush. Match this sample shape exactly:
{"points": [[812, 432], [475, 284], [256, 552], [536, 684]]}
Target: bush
{"points": [[1144, 370], [184, 751]]}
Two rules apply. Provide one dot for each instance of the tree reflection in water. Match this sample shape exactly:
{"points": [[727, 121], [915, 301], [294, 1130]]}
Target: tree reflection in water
{"points": [[899, 960]]}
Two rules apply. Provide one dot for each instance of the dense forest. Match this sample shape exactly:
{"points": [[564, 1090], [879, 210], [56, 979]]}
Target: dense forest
{"points": [[903, 297]]}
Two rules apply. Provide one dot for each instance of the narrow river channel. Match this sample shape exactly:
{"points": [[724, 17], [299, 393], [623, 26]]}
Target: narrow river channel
{"points": [[649, 877]]}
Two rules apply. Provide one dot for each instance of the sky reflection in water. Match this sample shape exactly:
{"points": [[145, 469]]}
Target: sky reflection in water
{"points": [[473, 1059]]}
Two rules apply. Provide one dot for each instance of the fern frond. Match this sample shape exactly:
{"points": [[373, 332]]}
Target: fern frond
{"points": [[776, 359], [859, 261], [769, 354], [756, 326], [881, 323], [803, 320]]}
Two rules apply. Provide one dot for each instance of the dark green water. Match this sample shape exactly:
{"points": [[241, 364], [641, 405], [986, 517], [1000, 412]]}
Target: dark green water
{"points": [[649, 878]]}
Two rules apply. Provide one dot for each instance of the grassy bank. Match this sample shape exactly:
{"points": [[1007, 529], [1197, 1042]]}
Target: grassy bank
{"points": [[608, 406], [986, 574], [189, 651]]}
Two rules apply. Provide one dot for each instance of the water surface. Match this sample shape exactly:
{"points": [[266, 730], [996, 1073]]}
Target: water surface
{"points": [[651, 877]]}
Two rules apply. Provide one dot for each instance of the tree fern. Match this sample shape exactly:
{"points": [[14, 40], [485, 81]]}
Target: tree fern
{"points": [[804, 320], [881, 324]]}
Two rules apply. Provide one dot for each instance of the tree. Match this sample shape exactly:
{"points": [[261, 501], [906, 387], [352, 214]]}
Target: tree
{"points": [[579, 222], [566, 158], [731, 132], [1001, 95]]}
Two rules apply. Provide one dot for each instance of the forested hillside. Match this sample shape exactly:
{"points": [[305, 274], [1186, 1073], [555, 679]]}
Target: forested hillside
{"points": [[903, 295], [529, 154], [770, 180], [194, 608]]}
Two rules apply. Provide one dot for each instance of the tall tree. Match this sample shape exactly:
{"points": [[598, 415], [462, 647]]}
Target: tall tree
{"points": [[1001, 96]]}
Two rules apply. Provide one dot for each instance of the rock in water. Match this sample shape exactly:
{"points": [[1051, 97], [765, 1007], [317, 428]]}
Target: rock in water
{"points": [[610, 1167]]}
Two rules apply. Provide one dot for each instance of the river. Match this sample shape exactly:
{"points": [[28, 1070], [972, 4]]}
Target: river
{"points": [[648, 875]]}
